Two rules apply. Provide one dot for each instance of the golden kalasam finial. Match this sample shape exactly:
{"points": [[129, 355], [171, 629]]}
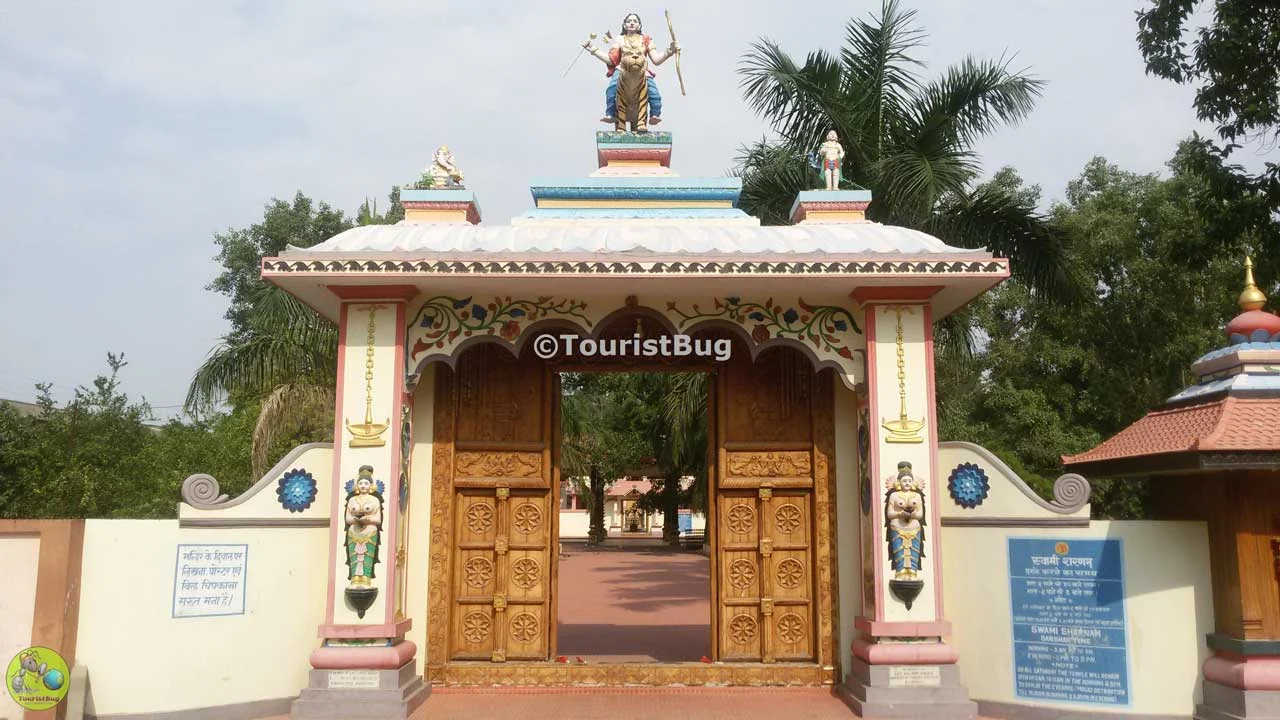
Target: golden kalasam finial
{"points": [[1252, 298]]}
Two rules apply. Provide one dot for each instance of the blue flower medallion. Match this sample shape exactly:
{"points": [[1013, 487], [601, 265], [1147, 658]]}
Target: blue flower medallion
{"points": [[297, 490], [968, 485]]}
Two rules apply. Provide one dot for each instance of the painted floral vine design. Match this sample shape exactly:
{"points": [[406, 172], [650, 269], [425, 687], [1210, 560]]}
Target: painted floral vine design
{"points": [[816, 324], [445, 318]]}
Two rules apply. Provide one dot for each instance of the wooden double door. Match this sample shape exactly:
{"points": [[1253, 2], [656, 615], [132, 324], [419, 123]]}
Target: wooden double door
{"points": [[773, 431], [495, 515], [503, 516]]}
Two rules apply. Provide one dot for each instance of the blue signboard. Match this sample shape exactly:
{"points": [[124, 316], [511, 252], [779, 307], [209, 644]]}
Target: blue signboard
{"points": [[684, 518], [1068, 621]]}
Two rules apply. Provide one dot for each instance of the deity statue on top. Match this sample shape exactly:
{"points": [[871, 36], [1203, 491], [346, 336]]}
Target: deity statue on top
{"points": [[632, 97], [441, 173], [830, 154]]}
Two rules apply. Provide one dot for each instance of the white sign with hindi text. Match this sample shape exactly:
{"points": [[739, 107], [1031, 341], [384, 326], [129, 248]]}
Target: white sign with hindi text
{"points": [[209, 580]]}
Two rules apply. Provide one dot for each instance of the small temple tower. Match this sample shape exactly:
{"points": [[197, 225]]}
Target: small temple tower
{"points": [[1212, 453]]}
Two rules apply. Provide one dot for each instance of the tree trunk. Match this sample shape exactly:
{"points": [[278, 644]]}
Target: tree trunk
{"points": [[671, 511], [597, 533]]}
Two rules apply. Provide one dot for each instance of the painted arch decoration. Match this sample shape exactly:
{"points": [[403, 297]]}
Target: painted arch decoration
{"points": [[824, 329]]}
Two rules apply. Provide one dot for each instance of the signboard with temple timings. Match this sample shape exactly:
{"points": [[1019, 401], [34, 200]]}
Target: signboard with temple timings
{"points": [[1069, 629]]}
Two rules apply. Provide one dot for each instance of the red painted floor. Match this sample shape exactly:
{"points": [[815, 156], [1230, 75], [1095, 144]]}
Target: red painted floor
{"points": [[632, 602], [638, 704]]}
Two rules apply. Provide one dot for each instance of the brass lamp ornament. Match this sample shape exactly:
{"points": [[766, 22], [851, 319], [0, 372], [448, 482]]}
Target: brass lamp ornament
{"points": [[902, 429], [368, 433]]}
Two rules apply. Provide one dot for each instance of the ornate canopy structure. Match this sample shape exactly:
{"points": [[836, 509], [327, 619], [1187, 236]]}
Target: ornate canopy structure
{"points": [[633, 253], [639, 232]]}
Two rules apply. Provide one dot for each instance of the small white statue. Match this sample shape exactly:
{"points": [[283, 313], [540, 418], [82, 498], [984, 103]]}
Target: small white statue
{"points": [[442, 171], [831, 153]]}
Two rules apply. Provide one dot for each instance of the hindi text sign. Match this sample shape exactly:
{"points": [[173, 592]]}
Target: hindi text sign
{"points": [[209, 580]]}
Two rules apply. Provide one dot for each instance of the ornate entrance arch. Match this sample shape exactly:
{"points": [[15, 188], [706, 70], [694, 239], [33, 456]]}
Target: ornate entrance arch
{"points": [[492, 604]]}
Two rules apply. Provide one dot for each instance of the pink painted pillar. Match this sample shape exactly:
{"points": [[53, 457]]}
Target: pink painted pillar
{"points": [[363, 647], [902, 667]]}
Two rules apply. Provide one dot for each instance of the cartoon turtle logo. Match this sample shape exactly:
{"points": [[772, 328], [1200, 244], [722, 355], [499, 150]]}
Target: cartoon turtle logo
{"points": [[37, 678]]}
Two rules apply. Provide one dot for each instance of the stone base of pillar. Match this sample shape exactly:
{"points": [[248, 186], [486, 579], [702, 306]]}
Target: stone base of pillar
{"points": [[1223, 702], [923, 692], [361, 694]]}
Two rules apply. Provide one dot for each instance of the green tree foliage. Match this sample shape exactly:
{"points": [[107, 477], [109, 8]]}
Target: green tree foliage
{"points": [[301, 223], [1232, 60], [908, 140], [1055, 380], [279, 356], [618, 425], [97, 456]]}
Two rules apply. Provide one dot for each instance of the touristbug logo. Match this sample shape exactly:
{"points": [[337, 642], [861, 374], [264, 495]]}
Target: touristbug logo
{"points": [[37, 678]]}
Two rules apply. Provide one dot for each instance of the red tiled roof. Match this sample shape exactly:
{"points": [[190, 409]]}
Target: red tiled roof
{"points": [[625, 487], [1226, 424]]}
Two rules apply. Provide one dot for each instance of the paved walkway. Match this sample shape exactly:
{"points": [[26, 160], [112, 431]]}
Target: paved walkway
{"points": [[633, 704], [631, 602], [636, 704], [627, 603]]}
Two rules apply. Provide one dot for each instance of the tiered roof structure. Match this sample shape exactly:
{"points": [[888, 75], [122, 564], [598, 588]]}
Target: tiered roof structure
{"points": [[1230, 417]]}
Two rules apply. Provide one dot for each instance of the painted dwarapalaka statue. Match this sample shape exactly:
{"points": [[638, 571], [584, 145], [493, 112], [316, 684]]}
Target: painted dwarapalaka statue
{"points": [[364, 527], [904, 532], [632, 96]]}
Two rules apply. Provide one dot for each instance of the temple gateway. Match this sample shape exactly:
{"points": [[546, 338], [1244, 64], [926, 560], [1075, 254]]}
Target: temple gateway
{"points": [[819, 337]]}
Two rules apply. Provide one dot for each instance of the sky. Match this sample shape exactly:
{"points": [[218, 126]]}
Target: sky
{"points": [[131, 132]]}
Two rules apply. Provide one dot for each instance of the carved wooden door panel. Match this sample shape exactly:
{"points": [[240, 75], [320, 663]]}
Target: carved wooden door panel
{"points": [[765, 579], [504, 516]]}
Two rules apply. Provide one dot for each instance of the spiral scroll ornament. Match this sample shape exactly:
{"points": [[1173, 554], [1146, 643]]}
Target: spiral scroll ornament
{"points": [[202, 489], [1071, 491]]}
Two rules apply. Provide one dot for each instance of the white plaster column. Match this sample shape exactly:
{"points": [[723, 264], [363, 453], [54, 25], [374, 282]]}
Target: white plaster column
{"points": [[900, 659], [363, 646]]}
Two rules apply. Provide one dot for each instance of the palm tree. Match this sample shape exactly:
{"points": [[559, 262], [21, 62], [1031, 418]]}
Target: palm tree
{"points": [[684, 412], [907, 139], [286, 360]]}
